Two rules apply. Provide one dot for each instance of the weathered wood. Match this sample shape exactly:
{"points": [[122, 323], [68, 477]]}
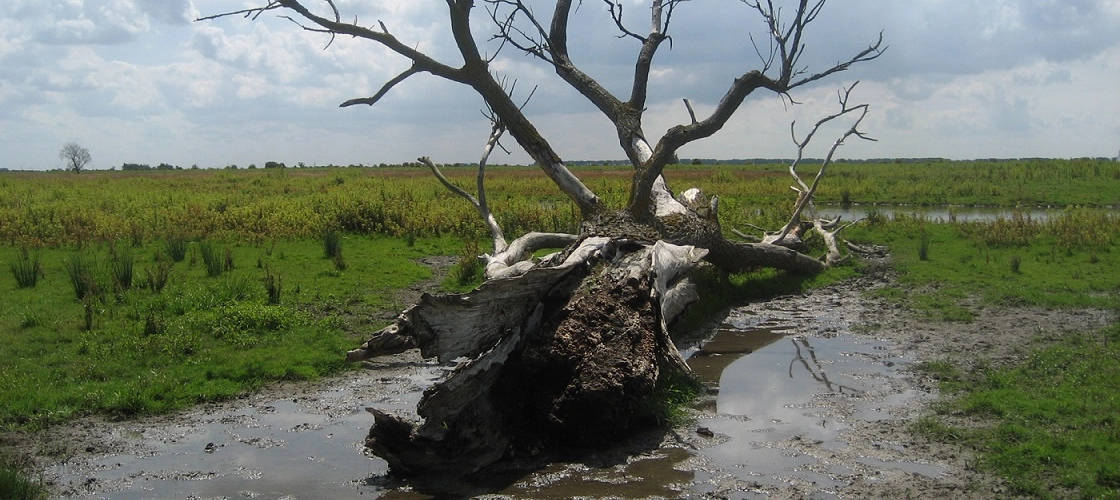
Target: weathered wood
{"points": [[555, 357]]}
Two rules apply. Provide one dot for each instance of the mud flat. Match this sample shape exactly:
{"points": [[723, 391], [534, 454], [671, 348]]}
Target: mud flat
{"points": [[812, 396]]}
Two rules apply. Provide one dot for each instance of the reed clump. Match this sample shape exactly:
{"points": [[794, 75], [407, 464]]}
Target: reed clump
{"points": [[26, 268]]}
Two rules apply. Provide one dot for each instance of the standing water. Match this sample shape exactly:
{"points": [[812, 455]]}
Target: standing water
{"points": [[788, 377]]}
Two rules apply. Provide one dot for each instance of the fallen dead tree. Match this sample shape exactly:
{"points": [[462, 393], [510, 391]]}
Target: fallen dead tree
{"points": [[563, 350]]}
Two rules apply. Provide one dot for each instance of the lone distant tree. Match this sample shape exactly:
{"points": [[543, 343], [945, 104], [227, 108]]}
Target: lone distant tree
{"points": [[564, 349], [75, 156]]}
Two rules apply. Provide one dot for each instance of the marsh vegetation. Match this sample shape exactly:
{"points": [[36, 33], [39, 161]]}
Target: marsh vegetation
{"points": [[112, 307]]}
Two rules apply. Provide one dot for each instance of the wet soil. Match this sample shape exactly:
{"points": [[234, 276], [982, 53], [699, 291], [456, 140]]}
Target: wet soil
{"points": [[812, 396]]}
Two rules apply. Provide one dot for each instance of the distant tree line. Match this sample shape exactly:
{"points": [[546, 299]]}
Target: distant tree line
{"points": [[145, 166]]}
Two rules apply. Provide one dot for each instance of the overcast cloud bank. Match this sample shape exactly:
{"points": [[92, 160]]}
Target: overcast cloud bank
{"points": [[138, 81]]}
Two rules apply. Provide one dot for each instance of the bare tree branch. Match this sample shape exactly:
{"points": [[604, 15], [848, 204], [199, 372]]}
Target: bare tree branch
{"points": [[384, 89], [805, 192], [691, 113], [496, 234]]}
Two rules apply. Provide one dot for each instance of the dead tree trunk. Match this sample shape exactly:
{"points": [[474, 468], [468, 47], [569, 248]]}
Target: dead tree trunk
{"points": [[561, 355], [563, 350]]}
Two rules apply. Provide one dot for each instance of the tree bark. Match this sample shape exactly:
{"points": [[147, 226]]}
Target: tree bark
{"points": [[559, 357]]}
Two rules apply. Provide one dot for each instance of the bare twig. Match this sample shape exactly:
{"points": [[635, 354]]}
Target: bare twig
{"points": [[384, 89], [805, 192], [691, 113]]}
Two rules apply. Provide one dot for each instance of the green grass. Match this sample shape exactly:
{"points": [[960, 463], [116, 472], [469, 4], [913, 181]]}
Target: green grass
{"points": [[17, 481], [947, 270], [1050, 425], [53, 209], [199, 338], [278, 301]]}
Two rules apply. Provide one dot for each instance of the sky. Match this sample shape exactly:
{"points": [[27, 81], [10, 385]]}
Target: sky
{"points": [[141, 81]]}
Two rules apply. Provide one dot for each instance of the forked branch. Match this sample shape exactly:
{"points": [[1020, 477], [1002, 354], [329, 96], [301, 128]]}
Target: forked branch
{"points": [[508, 259], [805, 192], [497, 236]]}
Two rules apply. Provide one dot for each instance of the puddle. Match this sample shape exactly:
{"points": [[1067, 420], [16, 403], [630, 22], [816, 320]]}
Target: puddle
{"points": [[776, 388], [309, 447], [785, 396]]}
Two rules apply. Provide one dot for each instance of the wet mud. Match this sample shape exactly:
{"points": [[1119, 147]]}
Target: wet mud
{"points": [[811, 396]]}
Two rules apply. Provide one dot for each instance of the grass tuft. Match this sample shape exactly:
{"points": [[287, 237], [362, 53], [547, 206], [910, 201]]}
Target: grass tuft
{"points": [[273, 286], [26, 269], [176, 247], [17, 481], [158, 275], [211, 257], [923, 246], [121, 268], [468, 271], [80, 270]]}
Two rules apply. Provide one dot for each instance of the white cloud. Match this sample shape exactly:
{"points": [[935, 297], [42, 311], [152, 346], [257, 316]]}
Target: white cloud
{"points": [[962, 78]]}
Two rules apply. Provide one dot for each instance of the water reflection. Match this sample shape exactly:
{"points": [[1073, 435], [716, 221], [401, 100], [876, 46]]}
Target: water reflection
{"points": [[771, 388], [944, 213], [816, 370], [775, 388]]}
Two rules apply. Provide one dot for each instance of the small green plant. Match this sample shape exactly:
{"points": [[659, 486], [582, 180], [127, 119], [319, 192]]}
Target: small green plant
{"points": [[136, 235], [469, 268], [332, 244], [273, 285], [121, 268], [1015, 262], [87, 313], [923, 247], [26, 269], [153, 325], [17, 482], [668, 403], [158, 275], [176, 247], [332, 249], [79, 269], [211, 258], [29, 319]]}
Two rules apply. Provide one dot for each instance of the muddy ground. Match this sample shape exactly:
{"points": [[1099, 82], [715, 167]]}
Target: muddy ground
{"points": [[854, 439]]}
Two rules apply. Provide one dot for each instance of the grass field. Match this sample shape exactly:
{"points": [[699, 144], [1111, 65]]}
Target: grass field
{"points": [[280, 311], [134, 293]]}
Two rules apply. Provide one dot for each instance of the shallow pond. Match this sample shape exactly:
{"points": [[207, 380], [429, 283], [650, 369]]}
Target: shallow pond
{"points": [[774, 386], [945, 213]]}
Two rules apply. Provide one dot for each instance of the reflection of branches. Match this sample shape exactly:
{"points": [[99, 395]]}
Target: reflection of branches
{"points": [[818, 374]]}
